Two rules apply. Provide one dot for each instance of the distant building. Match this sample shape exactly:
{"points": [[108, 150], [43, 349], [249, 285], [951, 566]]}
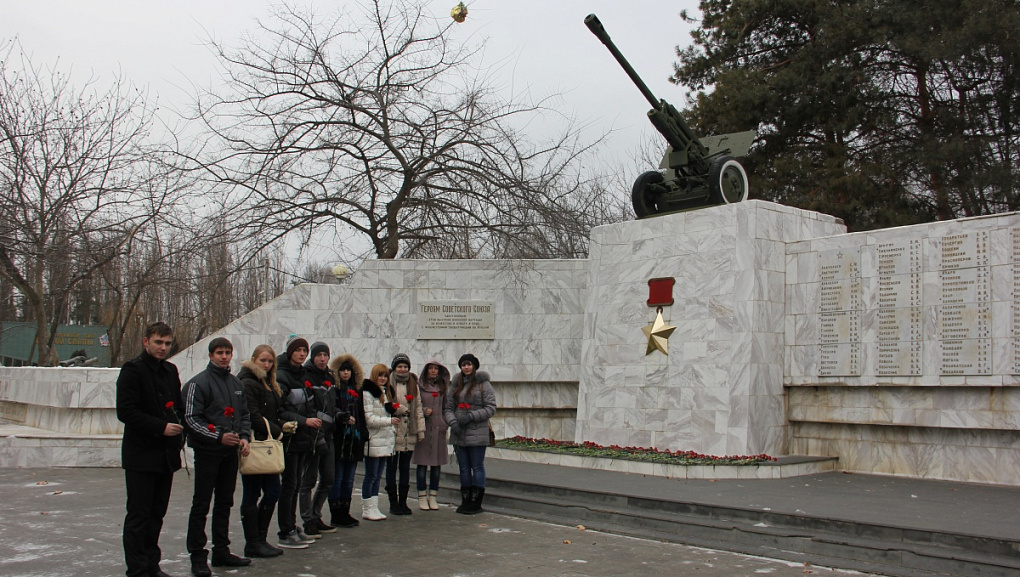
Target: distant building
{"points": [[16, 343]]}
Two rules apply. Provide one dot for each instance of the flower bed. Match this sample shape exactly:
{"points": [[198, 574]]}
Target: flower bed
{"points": [[589, 449]]}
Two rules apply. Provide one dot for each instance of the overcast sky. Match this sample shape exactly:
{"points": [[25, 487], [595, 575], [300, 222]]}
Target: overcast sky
{"points": [[539, 47]]}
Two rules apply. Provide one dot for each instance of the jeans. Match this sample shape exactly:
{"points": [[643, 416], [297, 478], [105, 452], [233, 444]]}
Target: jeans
{"points": [[293, 467], [471, 461], [254, 486], [148, 495], [319, 467], [343, 481], [215, 479], [374, 467], [432, 473], [400, 461]]}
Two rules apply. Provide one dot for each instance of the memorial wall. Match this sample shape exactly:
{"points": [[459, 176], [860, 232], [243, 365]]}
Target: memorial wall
{"points": [[902, 348], [897, 351]]}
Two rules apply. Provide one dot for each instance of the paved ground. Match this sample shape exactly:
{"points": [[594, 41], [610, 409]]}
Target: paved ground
{"points": [[67, 523]]}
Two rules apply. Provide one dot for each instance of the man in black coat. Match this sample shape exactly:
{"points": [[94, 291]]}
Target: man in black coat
{"points": [[149, 405]]}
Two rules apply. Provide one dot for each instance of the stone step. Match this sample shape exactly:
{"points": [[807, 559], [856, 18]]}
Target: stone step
{"points": [[871, 547]]}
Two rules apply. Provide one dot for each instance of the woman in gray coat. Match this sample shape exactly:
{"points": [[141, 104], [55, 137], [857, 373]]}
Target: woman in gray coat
{"points": [[467, 410]]}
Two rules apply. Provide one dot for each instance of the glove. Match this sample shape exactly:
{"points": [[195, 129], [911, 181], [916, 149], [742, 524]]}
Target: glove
{"points": [[463, 419], [289, 427], [401, 411], [455, 428]]}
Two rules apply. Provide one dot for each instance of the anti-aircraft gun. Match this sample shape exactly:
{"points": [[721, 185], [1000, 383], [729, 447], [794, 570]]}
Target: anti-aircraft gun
{"points": [[696, 172]]}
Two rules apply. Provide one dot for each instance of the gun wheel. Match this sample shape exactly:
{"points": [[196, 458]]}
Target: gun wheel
{"points": [[727, 181], [642, 196]]}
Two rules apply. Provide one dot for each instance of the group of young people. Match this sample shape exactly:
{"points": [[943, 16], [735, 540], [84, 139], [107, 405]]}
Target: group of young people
{"points": [[330, 417]]}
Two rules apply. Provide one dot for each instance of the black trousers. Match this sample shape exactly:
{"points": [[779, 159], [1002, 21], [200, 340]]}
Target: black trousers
{"points": [[399, 462], [294, 465], [215, 479], [148, 495]]}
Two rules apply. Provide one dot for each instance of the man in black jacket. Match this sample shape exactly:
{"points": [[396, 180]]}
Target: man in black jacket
{"points": [[149, 405], [216, 414]]}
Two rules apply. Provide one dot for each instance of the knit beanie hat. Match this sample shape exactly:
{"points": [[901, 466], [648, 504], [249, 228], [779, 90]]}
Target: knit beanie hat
{"points": [[469, 358], [318, 347], [401, 358], [295, 342]]}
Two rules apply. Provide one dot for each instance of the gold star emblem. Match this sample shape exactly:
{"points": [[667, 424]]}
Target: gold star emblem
{"points": [[658, 334]]}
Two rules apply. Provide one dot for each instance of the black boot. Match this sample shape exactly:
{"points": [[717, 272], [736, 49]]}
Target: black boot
{"points": [[395, 509], [200, 565], [224, 558], [465, 500], [265, 519], [477, 493], [347, 521], [402, 499], [253, 545]]}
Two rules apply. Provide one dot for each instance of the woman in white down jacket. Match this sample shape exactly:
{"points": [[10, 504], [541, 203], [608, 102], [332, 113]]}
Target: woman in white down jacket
{"points": [[381, 437]]}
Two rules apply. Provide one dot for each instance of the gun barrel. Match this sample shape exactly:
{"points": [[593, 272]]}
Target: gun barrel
{"points": [[595, 25]]}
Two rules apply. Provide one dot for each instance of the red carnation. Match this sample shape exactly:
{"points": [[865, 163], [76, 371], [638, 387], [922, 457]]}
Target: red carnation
{"points": [[327, 384], [228, 412], [308, 384], [211, 427], [169, 405], [352, 393], [409, 398], [464, 406], [435, 394], [396, 406]]}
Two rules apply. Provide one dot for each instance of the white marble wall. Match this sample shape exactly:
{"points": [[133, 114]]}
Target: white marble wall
{"points": [[70, 400], [719, 391], [929, 424], [568, 358]]}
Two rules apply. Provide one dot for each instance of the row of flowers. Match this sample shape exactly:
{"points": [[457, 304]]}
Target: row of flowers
{"points": [[590, 449]]}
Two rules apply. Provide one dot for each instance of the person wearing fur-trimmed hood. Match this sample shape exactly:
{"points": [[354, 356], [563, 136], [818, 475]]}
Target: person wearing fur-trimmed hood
{"points": [[263, 395], [381, 421], [467, 410], [349, 436], [430, 453]]}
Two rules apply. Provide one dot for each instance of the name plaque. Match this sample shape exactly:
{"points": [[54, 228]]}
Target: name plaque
{"points": [[899, 291], [966, 357], [839, 327], [898, 358], [839, 264], [899, 258], [965, 285], [840, 295], [965, 250], [902, 324], [969, 321], [839, 313], [1015, 305], [842, 360], [456, 320]]}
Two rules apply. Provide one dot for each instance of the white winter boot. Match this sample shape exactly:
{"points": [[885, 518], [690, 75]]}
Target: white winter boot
{"points": [[370, 509], [432, 500], [423, 500]]}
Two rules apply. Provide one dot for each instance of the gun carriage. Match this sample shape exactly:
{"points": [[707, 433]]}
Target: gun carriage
{"points": [[694, 172]]}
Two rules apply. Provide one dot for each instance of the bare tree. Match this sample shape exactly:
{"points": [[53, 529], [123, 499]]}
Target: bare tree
{"points": [[78, 181], [375, 121]]}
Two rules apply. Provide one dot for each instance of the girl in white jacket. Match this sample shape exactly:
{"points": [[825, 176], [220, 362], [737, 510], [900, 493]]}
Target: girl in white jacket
{"points": [[380, 419]]}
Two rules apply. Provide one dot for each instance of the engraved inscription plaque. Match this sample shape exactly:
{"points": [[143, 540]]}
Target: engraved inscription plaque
{"points": [[965, 312], [839, 313], [900, 317], [456, 320], [1014, 327]]}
